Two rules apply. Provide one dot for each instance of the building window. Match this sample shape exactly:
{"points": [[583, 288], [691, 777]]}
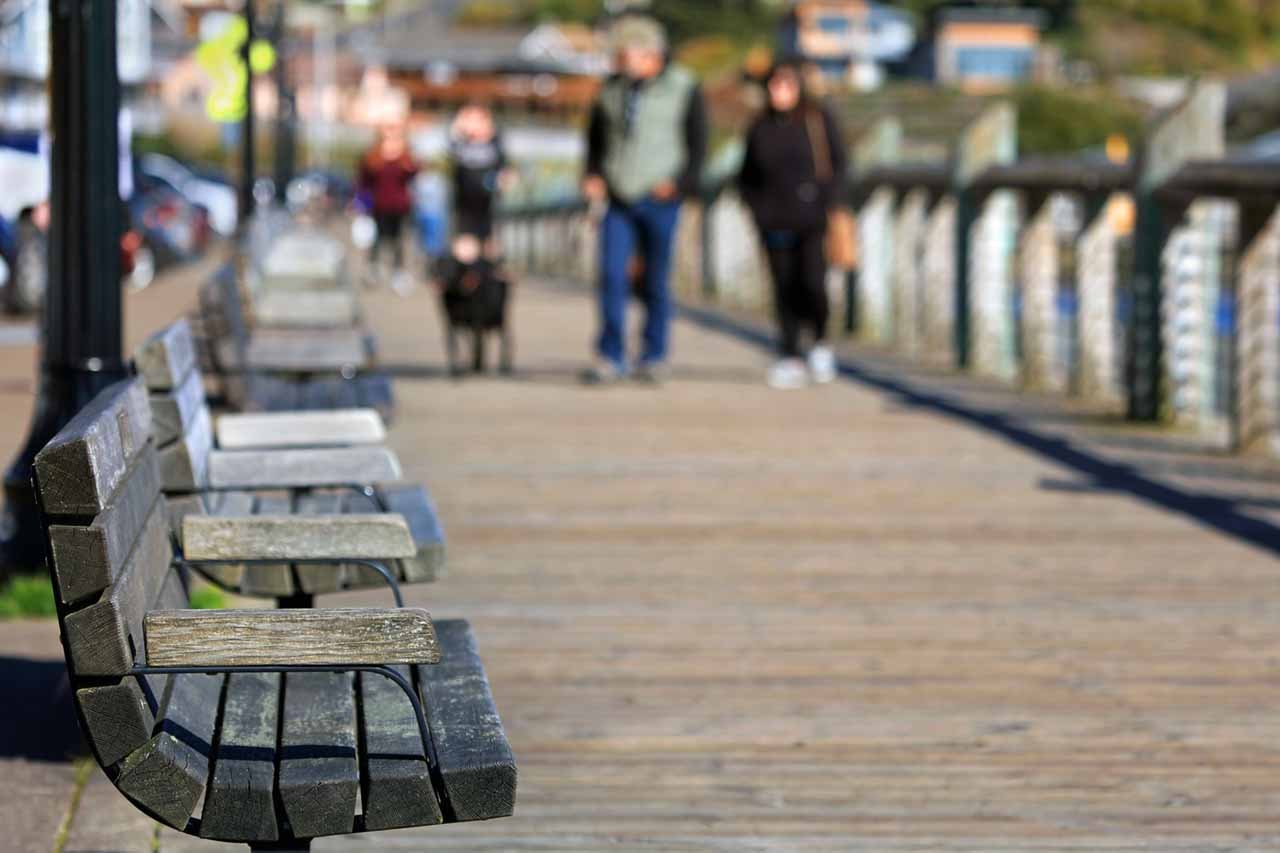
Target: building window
{"points": [[1004, 63], [834, 25]]}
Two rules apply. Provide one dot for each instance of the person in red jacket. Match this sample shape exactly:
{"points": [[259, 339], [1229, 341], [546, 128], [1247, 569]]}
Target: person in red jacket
{"points": [[386, 176]]}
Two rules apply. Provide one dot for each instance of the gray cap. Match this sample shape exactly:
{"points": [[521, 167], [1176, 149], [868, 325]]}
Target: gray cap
{"points": [[638, 32]]}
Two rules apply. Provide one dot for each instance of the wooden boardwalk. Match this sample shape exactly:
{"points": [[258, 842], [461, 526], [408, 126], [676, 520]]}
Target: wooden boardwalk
{"points": [[721, 618], [904, 613]]}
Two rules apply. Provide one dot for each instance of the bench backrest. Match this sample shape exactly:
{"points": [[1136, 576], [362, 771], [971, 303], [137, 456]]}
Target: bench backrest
{"points": [[181, 420], [302, 259], [110, 561]]}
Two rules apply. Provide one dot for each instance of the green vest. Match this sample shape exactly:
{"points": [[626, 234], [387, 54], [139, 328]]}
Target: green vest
{"points": [[655, 150]]}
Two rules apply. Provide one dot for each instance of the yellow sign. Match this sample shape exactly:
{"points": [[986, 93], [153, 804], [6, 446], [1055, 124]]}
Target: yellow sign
{"points": [[222, 58]]}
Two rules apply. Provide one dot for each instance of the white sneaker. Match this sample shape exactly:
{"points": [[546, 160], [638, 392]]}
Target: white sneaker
{"points": [[788, 375], [402, 284], [822, 365]]}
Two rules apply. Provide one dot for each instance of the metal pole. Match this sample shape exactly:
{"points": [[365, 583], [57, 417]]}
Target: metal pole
{"points": [[248, 164], [286, 111], [81, 332]]}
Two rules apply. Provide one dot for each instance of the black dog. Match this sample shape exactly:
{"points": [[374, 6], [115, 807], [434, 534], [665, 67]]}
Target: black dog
{"points": [[474, 296]]}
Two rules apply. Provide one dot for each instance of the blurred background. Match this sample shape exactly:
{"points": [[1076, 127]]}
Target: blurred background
{"points": [[1084, 74]]}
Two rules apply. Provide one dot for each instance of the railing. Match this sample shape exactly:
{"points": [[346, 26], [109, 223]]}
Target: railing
{"points": [[1152, 286]]}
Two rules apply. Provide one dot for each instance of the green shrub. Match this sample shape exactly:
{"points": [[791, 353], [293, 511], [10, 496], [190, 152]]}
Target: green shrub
{"points": [[27, 597], [1063, 121], [205, 597]]}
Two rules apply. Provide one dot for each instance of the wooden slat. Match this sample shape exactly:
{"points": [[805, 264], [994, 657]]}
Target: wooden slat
{"points": [[284, 537], [300, 429], [88, 559], [184, 465], [305, 351], [285, 469], [274, 580], [167, 357], [78, 470], [101, 637], [415, 504], [168, 774], [226, 575], [180, 638], [475, 762], [319, 776], [119, 717], [240, 802], [321, 578], [174, 412], [315, 310], [396, 788]]}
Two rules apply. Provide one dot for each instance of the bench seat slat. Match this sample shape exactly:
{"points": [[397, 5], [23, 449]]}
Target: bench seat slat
{"points": [[316, 579], [414, 503], [168, 774], [319, 774], [396, 787], [273, 580], [471, 749], [240, 802]]}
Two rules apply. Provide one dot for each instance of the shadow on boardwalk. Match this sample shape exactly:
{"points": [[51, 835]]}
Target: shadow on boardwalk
{"points": [[1217, 512]]}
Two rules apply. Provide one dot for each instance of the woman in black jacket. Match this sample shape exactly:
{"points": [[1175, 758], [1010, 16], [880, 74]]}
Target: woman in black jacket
{"points": [[793, 169]]}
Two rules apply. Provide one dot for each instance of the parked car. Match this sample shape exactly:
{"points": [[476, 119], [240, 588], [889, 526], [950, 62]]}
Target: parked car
{"points": [[200, 187], [176, 229]]}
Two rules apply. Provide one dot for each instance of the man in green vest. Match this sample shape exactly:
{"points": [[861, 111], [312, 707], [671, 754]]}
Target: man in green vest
{"points": [[645, 147]]}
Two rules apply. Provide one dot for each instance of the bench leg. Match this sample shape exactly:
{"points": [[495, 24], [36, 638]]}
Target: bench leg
{"points": [[301, 601]]}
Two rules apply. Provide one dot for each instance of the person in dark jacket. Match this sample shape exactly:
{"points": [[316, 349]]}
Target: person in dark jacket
{"points": [[386, 174], [793, 168], [646, 143], [479, 172]]}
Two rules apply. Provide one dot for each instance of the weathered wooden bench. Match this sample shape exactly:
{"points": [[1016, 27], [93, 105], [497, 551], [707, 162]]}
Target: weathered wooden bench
{"points": [[264, 369], [298, 278], [301, 463], [265, 727]]}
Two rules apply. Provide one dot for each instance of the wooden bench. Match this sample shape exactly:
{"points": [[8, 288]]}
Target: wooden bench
{"points": [[265, 727], [287, 369], [294, 261], [308, 463]]}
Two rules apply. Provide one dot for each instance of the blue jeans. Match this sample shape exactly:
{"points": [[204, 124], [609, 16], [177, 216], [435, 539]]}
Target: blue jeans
{"points": [[649, 226]]}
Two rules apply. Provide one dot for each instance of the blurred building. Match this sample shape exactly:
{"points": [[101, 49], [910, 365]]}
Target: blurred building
{"points": [[440, 65], [986, 49], [850, 41]]}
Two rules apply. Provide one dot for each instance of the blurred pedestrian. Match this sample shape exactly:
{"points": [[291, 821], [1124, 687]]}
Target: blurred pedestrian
{"points": [[480, 173], [646, 143], [791, 177], [386, 175]]}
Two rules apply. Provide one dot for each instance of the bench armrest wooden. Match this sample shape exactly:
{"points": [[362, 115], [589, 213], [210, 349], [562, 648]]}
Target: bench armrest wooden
{"points": [[274, 431], [302, 469], [256, 638], [296, 538]]}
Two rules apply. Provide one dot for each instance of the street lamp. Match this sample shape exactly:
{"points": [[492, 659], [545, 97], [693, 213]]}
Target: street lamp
{"points": [[81, 341]]}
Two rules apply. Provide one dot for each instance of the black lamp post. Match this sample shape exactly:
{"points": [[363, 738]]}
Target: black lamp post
{"points": [[286, 110], [248, 156], [82, 326]]}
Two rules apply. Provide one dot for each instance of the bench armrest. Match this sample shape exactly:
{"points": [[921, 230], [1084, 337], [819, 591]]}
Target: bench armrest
{"points": [[274, 431], [257, 638], [302, 469], [296, 538]]}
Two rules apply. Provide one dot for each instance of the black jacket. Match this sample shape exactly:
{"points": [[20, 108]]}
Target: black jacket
{"points": [[779, 180]]}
